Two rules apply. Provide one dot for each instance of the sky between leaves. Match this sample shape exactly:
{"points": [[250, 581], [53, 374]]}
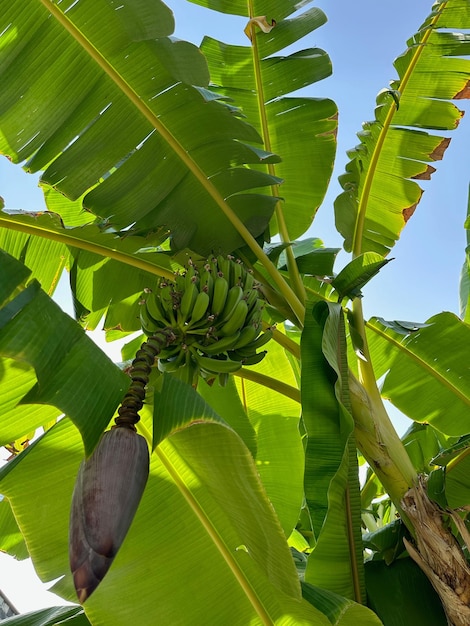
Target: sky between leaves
{"points": [[363, 38]]}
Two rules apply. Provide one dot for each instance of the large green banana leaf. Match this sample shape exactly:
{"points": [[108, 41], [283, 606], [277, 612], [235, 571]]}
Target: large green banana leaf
{"points": [[302, 130], [46, 359], [427, 372], [205, 546], [380, 193], [103, 101]]}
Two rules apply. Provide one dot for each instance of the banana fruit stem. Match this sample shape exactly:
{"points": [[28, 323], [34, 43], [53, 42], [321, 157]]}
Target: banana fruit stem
{"points": [[128, 412]]}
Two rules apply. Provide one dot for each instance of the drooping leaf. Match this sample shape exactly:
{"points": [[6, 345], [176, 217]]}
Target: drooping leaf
{"points": [[11, 539], [448, 453], [380, 193], [72, 373], [387, 541], [114, 94], [311, 257], [331, 475], [73, 615], [422, 443], [203, 501], [428, 375]]}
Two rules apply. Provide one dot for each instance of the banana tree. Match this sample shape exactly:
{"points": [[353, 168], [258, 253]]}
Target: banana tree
{"points": [[180, 182]]}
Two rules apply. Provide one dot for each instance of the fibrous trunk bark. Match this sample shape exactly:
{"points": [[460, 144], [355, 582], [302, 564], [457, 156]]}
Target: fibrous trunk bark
{"points": [[438, 553]]}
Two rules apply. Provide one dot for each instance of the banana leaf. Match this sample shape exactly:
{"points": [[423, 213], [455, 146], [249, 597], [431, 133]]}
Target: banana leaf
{"points": [[204, 541], [260, 81], [380, 189], [331, 474], [465, 276], [49, 366], [116, 112], [426, 371]]}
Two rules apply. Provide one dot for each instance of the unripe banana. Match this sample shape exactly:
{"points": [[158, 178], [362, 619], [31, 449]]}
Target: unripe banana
{"points": [[173, 363], [254, 359], [187, 302], [212, 312], [219, 297], [247, 336], [217, 366], [206, 282], [249, 282], [225, 266], [200, 307], [149, 326], [155, 309], [236, 320], [220, 346], [109, 487], [234, 296], [238, 272]]}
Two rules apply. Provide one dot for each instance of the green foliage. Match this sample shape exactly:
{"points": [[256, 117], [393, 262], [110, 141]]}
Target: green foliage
{"points": [[154, 155]]}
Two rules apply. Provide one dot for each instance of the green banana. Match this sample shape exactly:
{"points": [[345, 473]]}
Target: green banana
{"points": [[220, 346], [206, 282], [249, 280], [171, 365], [224, 265], [166, 294], [238, 272], [247, 335], [236, 320], [234, 296], [155, 309], [187, 302], [200, 306], [220, 295], [254, 359], [217, 366], [149, 325]]}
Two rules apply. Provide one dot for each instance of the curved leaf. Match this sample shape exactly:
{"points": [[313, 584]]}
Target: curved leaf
{"points": [[465, 275], [302, 130], [204, 520], [380, 194], [428, 373], [51, 617], [112, 115], [72, 373], [340, 611]]}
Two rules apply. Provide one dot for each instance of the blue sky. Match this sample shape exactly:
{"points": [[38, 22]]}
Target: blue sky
{"points": [[362, 38]]}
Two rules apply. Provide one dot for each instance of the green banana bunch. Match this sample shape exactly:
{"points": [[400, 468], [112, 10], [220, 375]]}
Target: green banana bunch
{"points": [[215, 313]]}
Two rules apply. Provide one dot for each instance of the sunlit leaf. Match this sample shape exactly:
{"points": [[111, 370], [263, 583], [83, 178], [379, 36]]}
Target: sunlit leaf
{"points": [[428, 371], [380, 193]]}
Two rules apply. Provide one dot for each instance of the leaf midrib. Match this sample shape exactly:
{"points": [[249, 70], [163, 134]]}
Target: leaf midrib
{"points": [[375, 156], [445, 382], [217, 540], [179, 150]]}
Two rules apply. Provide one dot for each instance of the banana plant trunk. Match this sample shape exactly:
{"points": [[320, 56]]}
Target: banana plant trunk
{"points": [[438, 553]]}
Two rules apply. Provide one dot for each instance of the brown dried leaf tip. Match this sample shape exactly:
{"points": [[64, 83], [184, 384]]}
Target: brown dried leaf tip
{"points": [[107, 492]]}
